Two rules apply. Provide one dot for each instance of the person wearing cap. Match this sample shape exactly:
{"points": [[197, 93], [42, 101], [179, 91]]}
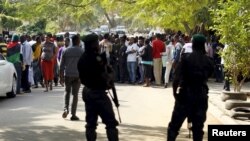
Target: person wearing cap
{"points": [[93, 75], [190, 90], [14, 56]]}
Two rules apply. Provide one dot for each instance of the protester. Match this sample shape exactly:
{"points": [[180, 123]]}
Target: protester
{"points": [[37, 50], [47, 59], [131, 51], [147, 61], [158, 47], [123, 61], [69, 74], [14, 56], [168, 54], [3, 47], [27, 53]]}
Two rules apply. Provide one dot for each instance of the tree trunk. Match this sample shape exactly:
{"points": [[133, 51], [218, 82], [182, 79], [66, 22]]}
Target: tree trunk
{"points": [[241, 83], [187, 28], [111, 22]]}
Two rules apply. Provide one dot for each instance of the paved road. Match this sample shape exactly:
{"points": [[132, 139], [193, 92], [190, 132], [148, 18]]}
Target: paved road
{"points": [[145, 114]]}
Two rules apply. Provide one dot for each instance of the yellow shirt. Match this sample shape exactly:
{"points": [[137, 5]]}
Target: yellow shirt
{"points": [[3, 49], [37, 51]]}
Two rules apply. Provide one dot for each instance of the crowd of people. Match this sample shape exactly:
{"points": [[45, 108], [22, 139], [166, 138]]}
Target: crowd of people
{"points": [[156, 60], [152, 60], [132, 59]]}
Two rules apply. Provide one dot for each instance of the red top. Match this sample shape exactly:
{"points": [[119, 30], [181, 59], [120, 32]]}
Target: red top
{"points": [[158, 47], [11, 44]]}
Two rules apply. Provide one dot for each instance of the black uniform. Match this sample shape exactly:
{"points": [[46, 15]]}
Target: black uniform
{"points": [[114, 60], [123, 63], [190, 91], [91, 67]]}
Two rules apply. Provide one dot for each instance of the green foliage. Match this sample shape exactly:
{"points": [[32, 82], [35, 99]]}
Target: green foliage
{"points": [[7, 19], [35, 28], [231, 21], [174, 14], [8, 22], [62, 12], [52, 27]]}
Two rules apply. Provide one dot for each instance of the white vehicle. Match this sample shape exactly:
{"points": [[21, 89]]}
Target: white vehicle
{"points": [[155, 31], [8, 78], [121, 28], [71, 34], [104, 29]]}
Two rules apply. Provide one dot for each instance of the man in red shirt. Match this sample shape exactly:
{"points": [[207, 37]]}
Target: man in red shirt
{"points": [[158, 48]]}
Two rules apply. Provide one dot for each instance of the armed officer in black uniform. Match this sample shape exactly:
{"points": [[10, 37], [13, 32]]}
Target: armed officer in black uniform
{"points": [[190, 90], [93, 75]]}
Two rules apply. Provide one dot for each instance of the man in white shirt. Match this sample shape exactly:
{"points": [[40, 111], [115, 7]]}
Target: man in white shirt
{"points": [[26, 51], [132, 51], [140, 66], [106, 46], [167, 60], [187, 48]]}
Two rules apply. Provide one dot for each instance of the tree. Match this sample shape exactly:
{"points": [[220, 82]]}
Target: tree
{"points": [[34, 28], [7, 20], [232, 24], [181, 14], [66, 14]]}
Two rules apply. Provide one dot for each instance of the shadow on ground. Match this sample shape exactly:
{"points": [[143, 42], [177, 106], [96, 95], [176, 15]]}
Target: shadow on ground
{"points": [[130, 132], [41, 133]]}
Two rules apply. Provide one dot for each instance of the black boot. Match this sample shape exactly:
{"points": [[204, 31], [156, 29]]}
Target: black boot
{"points": [[91, 134], [112, 134], [171, 136]]}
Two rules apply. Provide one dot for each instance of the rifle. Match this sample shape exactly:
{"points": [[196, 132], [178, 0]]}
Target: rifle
{"points": [[110, 82], [115, 100]]}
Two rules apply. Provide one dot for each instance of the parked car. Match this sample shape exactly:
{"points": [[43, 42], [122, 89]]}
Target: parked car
{"points": [[120, 33], [104, 29], [71, 34], [121, 28], [96, 31], [8, 78]]}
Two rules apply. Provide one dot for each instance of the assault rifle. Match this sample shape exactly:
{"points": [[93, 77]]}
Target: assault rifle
{"points": [[110, 82], [111, 85], [115, 100]]}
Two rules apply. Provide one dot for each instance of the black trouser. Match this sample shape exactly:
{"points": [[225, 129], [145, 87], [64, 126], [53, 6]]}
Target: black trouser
{"points": [[123, 71], [72, 85], [219, 73], [196, 111], [116, 69], [25, 79], [36, 71], [56, 75], [97, 103], [227, 80]]}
